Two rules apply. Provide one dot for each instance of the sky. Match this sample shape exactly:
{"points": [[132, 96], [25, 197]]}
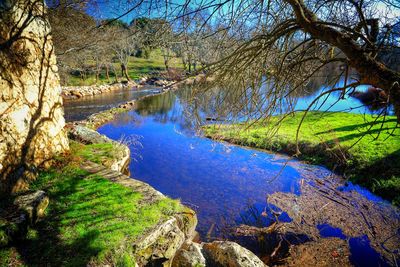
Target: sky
{"points": [[103, 9]]}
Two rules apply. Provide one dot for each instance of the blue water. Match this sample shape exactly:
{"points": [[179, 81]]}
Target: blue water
{"points": [[227, 185], [217, 180]]}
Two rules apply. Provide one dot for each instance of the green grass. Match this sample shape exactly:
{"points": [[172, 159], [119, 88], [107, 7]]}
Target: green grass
{"points": [[99, 152], [348, 143], [89, 220], [137, 67]]}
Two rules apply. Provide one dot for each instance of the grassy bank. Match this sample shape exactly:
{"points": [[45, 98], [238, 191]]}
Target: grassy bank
{"points": [[137, 67], [90, 220], [336, 140]]}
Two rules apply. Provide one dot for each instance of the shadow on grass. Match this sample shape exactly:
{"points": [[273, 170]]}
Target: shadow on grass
{"points": [[360, 134], [44, 246], [355, 127], [382, 177]]}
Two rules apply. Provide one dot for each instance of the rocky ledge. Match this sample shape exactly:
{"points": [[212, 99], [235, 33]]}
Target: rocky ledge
{"points": [[158, 246], [73, 92], [121, 153]]}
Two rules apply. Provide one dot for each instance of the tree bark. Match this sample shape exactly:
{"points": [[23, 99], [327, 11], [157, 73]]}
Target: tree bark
{"points": [[124, 71]]}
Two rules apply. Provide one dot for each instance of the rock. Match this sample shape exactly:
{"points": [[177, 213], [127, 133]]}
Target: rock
{"points": [[143, 80], [76, 93], [87, 136], [15, 228], [33, 205], [189, 255], [26, 210], [230, 254], [69, 92], [121, 153], [160, 245]]}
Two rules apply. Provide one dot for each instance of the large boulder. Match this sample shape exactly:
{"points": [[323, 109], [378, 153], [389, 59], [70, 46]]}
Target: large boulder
{"points": [[33, 205], [31, 110], [189, 255], [230, 254]]}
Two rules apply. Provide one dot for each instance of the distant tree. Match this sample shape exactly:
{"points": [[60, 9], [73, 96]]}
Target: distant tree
{"points": [[124, 46], [74, 38]]}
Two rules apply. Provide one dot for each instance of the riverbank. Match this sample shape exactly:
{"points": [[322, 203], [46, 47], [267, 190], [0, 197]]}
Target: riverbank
{"points": [[336, 140], [96, 215], [74, 92]]}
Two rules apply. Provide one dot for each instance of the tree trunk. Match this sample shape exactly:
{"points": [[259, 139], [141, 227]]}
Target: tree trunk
{"points": [[97, 75], [108, 74], [115, 74], [166, 63], [184, 63], [124, 71]]}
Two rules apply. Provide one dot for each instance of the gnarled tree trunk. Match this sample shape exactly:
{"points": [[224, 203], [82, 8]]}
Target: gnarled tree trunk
{"points": [[31, 111]]}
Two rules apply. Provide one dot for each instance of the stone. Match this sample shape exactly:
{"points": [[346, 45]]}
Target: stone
{"points": [[160, 245], [76, 93], [26, 210], [33, 204], [31, 121], [189, 255], [71, 92], [13, 229], [230, 254]]}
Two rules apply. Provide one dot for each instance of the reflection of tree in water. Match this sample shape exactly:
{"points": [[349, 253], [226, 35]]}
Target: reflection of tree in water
{"points": [[156, 105], [168, 107]]}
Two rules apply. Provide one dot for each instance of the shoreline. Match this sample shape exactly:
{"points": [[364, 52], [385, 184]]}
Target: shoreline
{"points": [[76, 92], [369, 164]]}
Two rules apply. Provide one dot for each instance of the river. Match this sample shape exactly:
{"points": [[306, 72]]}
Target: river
{"points": [[226, 185]]}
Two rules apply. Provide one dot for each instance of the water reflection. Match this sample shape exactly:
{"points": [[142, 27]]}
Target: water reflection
{"points": [[79, 109]]}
